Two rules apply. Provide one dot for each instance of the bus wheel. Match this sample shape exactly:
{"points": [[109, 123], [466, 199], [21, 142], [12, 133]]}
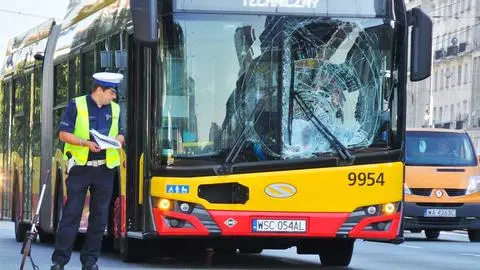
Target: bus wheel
{"points": [[336, 252], [20, 227], [225, 251], [432, 234], [45, 237], [131, 250], [474, 235], [250, 250]]}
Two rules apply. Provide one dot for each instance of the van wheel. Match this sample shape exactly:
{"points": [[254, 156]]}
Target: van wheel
{"points": [[474, 235], [250, 250], [337, 252], [432, 234]]}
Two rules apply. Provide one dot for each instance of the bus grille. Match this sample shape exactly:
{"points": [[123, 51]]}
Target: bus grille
{"points": [[455, 192], [440, 204], [421, 191], [427, 221]]}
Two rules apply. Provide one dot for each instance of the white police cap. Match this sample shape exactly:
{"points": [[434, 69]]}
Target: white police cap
{"points": [[108, 79]]}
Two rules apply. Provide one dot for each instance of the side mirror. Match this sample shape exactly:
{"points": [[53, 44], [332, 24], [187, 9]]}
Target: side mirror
{"points": [[144, 15], [421, 45]]}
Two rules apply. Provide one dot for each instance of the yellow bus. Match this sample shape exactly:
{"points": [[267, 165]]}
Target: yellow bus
{"points": [[250, 124]]}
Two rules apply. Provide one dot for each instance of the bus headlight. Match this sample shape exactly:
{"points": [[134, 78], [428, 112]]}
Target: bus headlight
{"points": [[389, 208], [163, 204], [473, 185]]}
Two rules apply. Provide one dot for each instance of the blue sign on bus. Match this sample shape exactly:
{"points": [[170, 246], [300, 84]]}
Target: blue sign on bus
{"points": [[178, 189]]}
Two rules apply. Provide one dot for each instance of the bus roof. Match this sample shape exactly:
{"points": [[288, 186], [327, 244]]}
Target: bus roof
{"points": [[22, 48]]}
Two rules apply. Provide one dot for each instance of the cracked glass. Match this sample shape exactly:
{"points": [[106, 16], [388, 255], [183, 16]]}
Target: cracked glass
{"points": [[245, 88]]}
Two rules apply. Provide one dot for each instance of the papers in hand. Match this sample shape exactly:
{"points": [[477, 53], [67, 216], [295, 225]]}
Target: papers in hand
{"points": [[103, 141]]}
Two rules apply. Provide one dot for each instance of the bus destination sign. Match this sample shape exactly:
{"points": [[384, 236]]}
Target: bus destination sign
{"points": [[281, 3], [370, 8]]}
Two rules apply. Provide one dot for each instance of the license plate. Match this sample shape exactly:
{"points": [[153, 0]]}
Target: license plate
{"points": [[279, 225], [440, 213]]}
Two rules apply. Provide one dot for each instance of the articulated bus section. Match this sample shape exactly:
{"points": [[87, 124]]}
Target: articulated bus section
{"points": [[357, 202]]}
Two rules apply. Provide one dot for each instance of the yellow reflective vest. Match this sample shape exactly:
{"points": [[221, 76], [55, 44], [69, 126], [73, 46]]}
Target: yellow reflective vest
{"points": [[82, 130]]}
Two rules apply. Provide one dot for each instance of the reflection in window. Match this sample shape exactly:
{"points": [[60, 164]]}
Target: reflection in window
{"points": [[88, 63], [74, 76], [61, 84], [233, 83], [439, 149]]}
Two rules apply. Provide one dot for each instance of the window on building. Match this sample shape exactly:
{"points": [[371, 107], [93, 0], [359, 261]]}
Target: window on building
{"points": [[459, 81], [447, 78], [435, 81], [435, 116], [440, 115], [465, 80], [452, 77], [452, 112], [442, 78]]}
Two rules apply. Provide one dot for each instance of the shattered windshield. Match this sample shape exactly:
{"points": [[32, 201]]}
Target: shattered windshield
{"points": [[252, 88]]}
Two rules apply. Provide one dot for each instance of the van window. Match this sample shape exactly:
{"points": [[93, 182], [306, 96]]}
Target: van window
{"points": [[439, 149]]}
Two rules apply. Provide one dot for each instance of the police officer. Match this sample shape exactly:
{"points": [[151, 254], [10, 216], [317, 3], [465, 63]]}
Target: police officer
{"points": [[88, 168]]}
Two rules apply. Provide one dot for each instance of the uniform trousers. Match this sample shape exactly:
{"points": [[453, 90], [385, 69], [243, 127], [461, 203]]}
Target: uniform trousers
{"points": [[99, 180]]}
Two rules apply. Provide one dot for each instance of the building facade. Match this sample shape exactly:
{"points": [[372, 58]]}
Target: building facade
{"points": [[453, 90]]}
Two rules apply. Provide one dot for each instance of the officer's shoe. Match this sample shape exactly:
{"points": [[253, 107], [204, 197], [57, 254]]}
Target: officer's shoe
{"points": [[56, 267], [90, 267]]}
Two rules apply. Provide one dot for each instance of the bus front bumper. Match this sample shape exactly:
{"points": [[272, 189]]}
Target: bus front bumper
{"points": [[200, 222]]}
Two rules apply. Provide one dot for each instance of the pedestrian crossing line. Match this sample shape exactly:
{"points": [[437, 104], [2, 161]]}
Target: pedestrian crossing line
{"points": [[470, 254]]}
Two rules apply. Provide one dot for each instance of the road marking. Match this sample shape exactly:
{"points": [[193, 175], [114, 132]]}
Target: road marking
{"points": [[459, 234], [409, 246], [470, 254]]}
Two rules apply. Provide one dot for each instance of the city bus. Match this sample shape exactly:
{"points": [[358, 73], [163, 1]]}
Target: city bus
{"points": [[250, 124]]}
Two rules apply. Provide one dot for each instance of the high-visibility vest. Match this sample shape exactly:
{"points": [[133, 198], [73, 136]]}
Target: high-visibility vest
{"points": [[82, 130]]}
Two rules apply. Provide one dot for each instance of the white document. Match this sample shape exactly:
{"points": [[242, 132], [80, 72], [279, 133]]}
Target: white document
{"points": [[105, 142]]}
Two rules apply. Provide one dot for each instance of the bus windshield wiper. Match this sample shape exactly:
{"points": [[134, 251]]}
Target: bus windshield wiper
{"points": [[226, 166], [341, 149]]}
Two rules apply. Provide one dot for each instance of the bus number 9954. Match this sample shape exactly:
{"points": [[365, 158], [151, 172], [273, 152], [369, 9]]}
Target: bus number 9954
{"points": [[368, 179]]}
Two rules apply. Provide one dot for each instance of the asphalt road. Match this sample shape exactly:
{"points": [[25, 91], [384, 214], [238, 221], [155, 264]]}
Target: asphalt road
{"points": [[451, 251]]}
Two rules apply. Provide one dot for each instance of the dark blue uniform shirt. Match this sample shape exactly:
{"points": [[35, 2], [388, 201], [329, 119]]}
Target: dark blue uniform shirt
{"points": [[100, 120]]}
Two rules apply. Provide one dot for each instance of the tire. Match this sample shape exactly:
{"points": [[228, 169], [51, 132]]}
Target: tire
{"points": [[251, 250], [45, 237], [20, 227], [337, 252], [131, 250], [225, 251], [474, 235], [432, 234]]}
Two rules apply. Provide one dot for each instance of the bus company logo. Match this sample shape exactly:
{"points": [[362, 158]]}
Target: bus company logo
{"points": [[280, 190], [230, 222]]}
